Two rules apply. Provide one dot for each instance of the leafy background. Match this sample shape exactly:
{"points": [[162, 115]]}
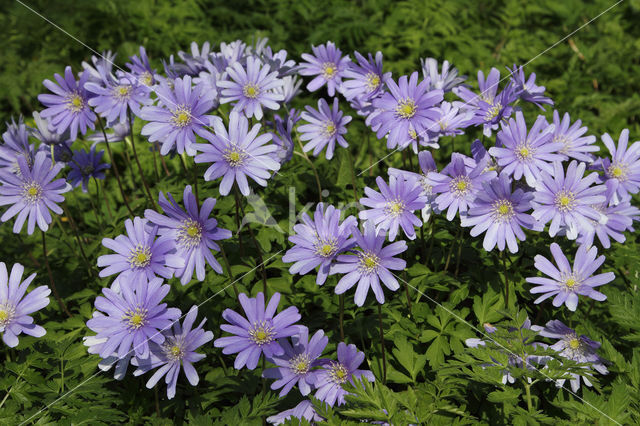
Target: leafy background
{"points": [[431, 377]]}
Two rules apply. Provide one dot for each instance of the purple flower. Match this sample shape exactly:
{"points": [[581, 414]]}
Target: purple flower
{"points": [[525, 154], [407, 106], [297, 364], [257, 333], [180, 116], [567, 282], [445, 81], [193, 233], [615, 219], [177, 352], [252, 88], [101, 66], [328, 64], [567, 200], [623, 169], [304, 410], [238, 154], [526, 88], [121, 131], [86, 165], [46, 136], [501, 214], [208, 79], [451, 121], [457, 187], [68, 107], [576, 348], [15, 145], [115, 98], [394, 205], [336, 373], [198, 59], [282, 137], [141, 68], [488, 89], [133, 318], [138, 254], [290, 88], [575, 145], [94, 346], [366, 79], [32, 193], [370, 264], [324, 128], [15, 307]]}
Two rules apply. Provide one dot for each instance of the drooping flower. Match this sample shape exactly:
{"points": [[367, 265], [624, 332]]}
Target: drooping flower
{"points": [[336, 373], [32, 193], [576, 348], [526, 88], [407, 106], [567, 200], [94, 346], [282, 137], [197, 60], [86, 165], [446, 80], [238, 154], [68, 106], [567, 282], [319, 241], [521, 153], [488, 89], [15, 307], [177, 352], [393, 206], [298, 363], [365, 79], [120, 131], [325, 126], [258, 332], [192, 231], [101, 66], [303, 410], [133, 318], [327, 64], [139, 254], [370, 264], [575, 145], [251, 88], [623, 169], [290, 88], [113, 99], [46, 136], [15, 144], [179, 117], [500, 213]]}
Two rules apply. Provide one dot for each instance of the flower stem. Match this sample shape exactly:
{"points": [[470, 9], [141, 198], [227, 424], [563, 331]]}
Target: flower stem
{"points": [[155, 162], [446, 264], [527, 388], [135, 155], [506, 280], [459, 256], [63, 307], [229, 273], [315, 172], [353, 176], [164, 163], [384, 354], [115, 167], [104, 196]]}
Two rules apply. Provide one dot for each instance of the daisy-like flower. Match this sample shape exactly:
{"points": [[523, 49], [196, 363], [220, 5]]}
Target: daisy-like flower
{"points": [[46, 136], [238, 154], [567, 200], [133, 318], [567, 282], [179, 117], [623, 169], [577, 348], [618, 218], [304, 410], [324, 128], [68, 106], [526, 88], [446, 80], [15, 144], [101, 66], [251, 88], [290, 88], [488, 89], [15, 307], [198, 58], [457, 186], [192, 231], [501, 214], [282, 137], [86, 165], [393, 206], [258, 332], [370, 264], [319, 241], [451, 121], [32, 193], [94, 346], [524, 154], [365, 79], [407, 106], [177, 352], [327, 64], [575, 145], [337, 373], [115, 98], [139, 254], [427, 165], [298, 363], [141, 68]]}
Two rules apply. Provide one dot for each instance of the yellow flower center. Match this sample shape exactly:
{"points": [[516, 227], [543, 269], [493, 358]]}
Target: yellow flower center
{"points": [[493, 112], [329, 70], [146, 78], [175, 351], [300, 364], [406, 108], [565, 201], [413, 134], [394, 208], [368, 262], [140, 256], [618, 171], [75, 103], [261, 333], [189, 234], [338, 373], [460, 186], [524, 152], [235, 156], [571, 281], [123, 92], [503, 210], [574, 343], [134, 319], [6, 314], [32, 192], [373, 81], [181, 116], [251, 90], [330, 129]]}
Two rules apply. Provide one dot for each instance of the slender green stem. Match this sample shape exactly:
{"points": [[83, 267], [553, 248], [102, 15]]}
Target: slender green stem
{"points": [[135, 155], [453, 244], [104, 197], [384, 352], [353, 176], [237, 199], [155, 162], [115, 167], [459, 256], [527, 388], [63, 307], [506, 280], [229, 273], [164, 163]]}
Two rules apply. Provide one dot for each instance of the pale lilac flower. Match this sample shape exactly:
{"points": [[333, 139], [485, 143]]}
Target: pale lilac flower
{"points": [[526, 88], [114, 99], [623, 169], [327, 64], [303, 410], [446, 80], [15, 144], [365, 79], [325, 126], [575, 145]]}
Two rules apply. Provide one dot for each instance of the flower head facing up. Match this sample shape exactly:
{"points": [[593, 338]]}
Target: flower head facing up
{"points": [[192, 231], [15, 307], [365, 79], [251, 88], [115, 98], [566, 283], [177, 352], [446, 80], [319, 241], [370, 264], [133, 318], [336, 373], [298, 363], [258, 332], [567, 200], [622, 170], [325, 126], [32, 192], [327, 65], [574, 144], [238, 154], [86, 165]]}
